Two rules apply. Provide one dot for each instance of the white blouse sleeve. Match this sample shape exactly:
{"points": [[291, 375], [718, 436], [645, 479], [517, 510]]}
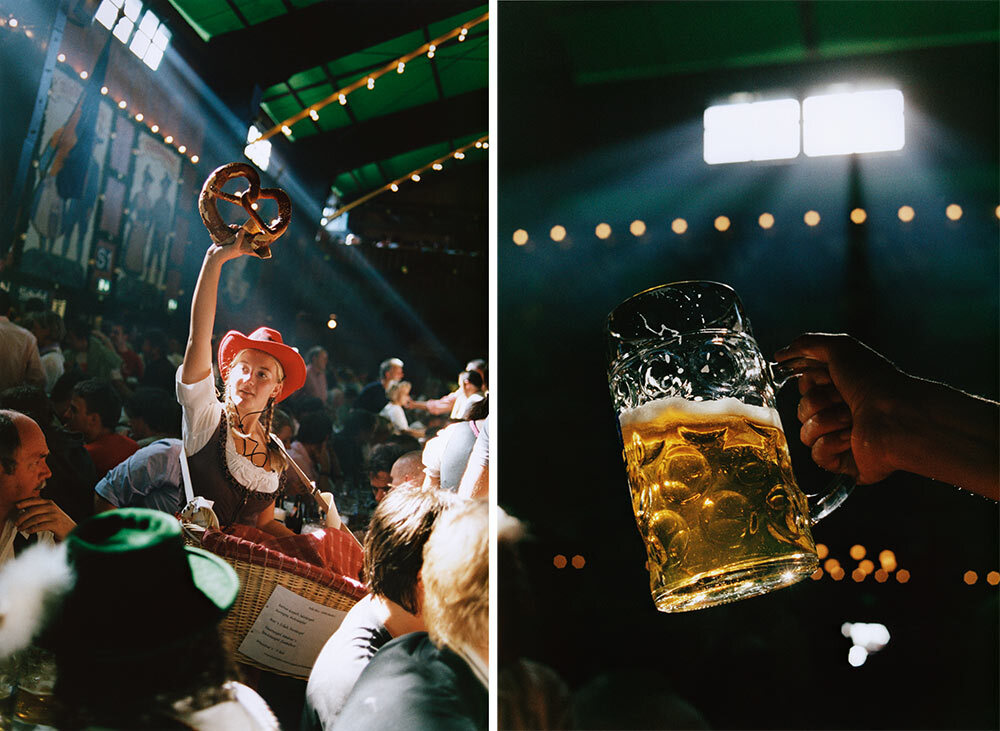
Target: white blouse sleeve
{"points": [[201, 409]]}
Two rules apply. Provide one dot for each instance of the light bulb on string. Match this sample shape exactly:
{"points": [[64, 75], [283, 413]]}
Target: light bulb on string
{"points": [[314, 115], [415, 178], [400, 67], [394, 188], [459, 155], [182, 149], [122, 104], [139, 117], [437, 166], [342, 99], [61, 58], [371, 82], [194, 159], [169, 139]]}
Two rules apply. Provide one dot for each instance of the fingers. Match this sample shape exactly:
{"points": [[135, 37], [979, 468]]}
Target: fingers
{"points": [[816, 399], [37, 517], [833, 453], [814, 346], [813, 378], [822, 423]]}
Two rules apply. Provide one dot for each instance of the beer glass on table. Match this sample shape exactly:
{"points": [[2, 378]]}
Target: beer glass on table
{"points": [[711, 481], [34, 703]]}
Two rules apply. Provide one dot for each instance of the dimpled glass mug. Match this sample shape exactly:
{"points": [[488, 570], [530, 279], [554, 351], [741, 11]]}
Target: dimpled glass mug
{"points": [[712, 487]]}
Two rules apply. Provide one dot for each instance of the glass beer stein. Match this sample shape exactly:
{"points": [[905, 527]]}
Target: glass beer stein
{"points": [[711, 481]]}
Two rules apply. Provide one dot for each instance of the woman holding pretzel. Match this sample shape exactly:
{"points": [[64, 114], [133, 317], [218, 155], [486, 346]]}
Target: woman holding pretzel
{"points": [[234, 459]]}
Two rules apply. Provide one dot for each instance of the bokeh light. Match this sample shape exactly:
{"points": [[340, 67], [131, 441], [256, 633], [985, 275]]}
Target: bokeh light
{"points": [[859, 216], [679, 226], [637, 228], [579, 562], [953, 212], [822, 551], [811, 218], [559, 561], [887, 559], [906, 214], [858, 552], [902, 576], [867, 566], [993, 578], [557, 233], [766, 220], [970, 577], [602, 231], [722, 223], [520, 237]]}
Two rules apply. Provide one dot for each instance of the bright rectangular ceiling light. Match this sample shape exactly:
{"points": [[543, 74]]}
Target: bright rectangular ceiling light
{"points": [[862, 121], [751, 131]]}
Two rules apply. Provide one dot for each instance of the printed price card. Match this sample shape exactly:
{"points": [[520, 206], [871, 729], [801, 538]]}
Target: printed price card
{"points": [[289, 632]]}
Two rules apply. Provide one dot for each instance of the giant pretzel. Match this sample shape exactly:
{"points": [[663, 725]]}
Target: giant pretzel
{"points": [[259, 233]]}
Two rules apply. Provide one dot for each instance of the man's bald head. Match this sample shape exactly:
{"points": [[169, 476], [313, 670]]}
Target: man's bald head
{"points": [[23, 469], [408, 468]]}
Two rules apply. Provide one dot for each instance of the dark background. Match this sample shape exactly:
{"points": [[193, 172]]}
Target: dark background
{"points": [[600, 110]]}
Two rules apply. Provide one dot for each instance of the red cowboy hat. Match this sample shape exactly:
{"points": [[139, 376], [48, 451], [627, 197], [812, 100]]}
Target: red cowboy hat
{"points": [[269, 341]]}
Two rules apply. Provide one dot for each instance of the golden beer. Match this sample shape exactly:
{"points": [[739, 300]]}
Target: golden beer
{"points": [[715, 501]]}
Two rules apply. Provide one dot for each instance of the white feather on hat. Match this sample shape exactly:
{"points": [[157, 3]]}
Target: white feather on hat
{"points": [[30, 585]]}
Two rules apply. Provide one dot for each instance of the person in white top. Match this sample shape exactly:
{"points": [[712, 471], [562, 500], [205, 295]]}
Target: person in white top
{"points": [[234, 459], [398, 393], [20, 363]]}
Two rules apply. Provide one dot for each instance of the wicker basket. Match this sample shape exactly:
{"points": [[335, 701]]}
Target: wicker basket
{"points": [[257, 583]]}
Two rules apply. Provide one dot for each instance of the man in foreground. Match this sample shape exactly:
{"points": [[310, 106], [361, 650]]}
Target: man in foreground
{"points": [[439, 679], [393, 549]]}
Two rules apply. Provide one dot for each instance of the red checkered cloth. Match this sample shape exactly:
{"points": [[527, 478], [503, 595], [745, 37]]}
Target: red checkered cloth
{"points": [[330, 557]]}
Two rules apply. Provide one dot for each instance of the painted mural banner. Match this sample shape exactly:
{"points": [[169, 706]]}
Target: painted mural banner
{"points": [[152, 199], [59, 235]]}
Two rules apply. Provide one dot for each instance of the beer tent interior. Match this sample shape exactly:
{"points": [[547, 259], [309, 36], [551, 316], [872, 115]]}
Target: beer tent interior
{"points": [[378, 270]]}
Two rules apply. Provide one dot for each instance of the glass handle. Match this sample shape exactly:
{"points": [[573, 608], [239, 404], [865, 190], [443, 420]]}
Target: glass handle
{"points": [[840, 486]]}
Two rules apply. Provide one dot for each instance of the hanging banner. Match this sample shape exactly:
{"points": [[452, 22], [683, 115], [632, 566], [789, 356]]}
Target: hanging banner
{"points": [[67, 174], [148, 233]]}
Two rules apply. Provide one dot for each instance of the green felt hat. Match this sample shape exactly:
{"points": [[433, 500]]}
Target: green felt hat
{"points": [[137, 587]]}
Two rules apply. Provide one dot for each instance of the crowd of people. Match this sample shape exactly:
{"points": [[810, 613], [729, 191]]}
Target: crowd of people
{"points": [[102, 446]]}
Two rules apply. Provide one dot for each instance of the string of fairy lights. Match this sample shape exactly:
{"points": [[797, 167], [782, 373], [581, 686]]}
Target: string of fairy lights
{"points": [[367, 81], [120, 102], [414, 175], [638, 228]]}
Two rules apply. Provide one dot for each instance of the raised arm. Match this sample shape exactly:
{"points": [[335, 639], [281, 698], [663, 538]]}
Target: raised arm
{"points": [[198, 354]]}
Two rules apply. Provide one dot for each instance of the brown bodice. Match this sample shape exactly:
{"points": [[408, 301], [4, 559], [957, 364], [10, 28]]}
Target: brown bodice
{"points": [[211, 478]]}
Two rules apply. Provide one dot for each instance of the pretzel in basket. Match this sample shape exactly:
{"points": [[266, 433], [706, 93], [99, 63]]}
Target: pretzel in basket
{"points": [[260, 234]]}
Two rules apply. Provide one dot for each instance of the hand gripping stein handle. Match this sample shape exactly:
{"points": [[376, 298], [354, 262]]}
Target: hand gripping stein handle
{"points": [[841, 485]]}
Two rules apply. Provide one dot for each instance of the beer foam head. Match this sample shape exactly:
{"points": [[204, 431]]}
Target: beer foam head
{"points": [[681, 409]]}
